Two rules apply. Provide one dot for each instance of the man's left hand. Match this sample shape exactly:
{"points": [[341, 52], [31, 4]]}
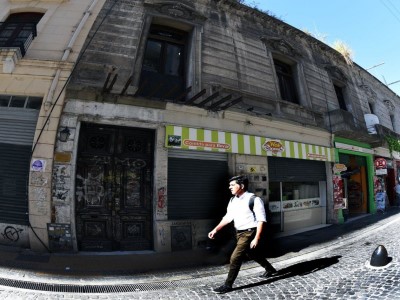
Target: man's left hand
{"points": [[253, 243]]}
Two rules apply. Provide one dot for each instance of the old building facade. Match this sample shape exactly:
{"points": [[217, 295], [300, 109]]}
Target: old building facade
{"points": [[171, 98], [39, 44]]}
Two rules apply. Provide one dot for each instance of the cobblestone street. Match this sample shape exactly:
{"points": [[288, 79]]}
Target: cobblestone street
{"points": [[338, 269]]}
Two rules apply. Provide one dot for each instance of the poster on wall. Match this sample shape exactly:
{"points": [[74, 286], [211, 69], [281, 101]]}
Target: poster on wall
{"points": [[338, 200]]}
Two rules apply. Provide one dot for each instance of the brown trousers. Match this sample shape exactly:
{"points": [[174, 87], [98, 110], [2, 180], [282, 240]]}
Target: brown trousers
{"points": [[242, 249]]}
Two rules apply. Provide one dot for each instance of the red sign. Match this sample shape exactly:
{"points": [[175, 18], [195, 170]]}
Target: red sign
{"points": [[380, 163]]}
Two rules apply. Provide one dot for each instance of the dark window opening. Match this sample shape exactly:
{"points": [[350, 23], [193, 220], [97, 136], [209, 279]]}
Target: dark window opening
{"points": [[371, 108], [393, 121], [19, 30], [340, 97], [287, 86], [163, 74]]}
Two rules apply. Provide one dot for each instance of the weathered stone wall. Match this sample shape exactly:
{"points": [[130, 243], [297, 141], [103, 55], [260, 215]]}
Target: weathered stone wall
{"points": [[237, 48]]}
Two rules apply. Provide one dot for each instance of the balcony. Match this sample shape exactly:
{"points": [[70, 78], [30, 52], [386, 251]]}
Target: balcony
{"points": [[17, 35], [343, 124]]}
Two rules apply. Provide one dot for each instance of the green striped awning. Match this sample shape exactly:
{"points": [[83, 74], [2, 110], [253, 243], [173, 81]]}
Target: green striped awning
{"points": [[213, 140]]}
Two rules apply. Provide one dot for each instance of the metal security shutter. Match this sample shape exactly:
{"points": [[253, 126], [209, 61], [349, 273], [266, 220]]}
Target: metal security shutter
{"points": [[295, 170], [197, 186], [17, 128]]}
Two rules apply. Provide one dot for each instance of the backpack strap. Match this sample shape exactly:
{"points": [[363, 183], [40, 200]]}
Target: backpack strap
{"points": [[251, 205]]}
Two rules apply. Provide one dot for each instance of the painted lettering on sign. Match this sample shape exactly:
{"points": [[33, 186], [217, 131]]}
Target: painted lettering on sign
{"points": [[213, 145], [274, 146]]}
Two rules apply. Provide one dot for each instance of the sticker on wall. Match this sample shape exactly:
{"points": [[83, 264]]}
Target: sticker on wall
{"points": [[38, 165], [174, 140], [253, 169]]}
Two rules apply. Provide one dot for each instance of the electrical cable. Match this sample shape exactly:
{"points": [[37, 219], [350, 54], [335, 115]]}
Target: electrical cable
{"points": [[54, 104], [390, 10]]}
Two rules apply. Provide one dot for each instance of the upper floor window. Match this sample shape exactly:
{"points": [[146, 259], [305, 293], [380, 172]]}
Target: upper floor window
{"points": [[287, 86], [21, 101], [340, 97], [371, 108], [163, 69], [19, 30], [393, 121]]}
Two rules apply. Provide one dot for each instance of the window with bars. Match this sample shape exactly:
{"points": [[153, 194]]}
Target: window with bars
{"points": [[19, 30], [21, 101]]}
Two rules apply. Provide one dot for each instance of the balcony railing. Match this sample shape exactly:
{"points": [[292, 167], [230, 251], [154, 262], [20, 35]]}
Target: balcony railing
{"points": [[17, 35]]}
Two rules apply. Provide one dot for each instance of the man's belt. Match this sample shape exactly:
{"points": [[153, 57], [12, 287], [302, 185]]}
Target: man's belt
{"points": [[248, 229]]}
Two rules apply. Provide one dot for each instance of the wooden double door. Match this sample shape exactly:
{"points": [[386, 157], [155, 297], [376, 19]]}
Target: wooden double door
{"points": [[113, 198]]}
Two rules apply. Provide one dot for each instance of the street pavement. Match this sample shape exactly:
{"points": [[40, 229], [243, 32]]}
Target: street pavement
{"points": [[328, 263]]}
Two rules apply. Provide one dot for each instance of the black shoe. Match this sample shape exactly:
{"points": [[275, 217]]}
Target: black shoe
{"points": [[222, 289], [268, 274]]}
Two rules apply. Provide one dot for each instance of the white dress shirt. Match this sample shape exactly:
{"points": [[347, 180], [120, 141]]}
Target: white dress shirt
{"points": [[239, 212]]}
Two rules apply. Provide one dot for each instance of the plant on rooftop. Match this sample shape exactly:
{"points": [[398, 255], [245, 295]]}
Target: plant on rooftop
{"points": [[345, 50]]}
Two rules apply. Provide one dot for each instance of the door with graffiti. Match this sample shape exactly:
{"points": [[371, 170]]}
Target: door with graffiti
{"points": [[113, 199]]}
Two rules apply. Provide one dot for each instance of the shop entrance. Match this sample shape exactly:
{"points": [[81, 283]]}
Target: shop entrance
{"points": [[114, 188], [355, 184]]}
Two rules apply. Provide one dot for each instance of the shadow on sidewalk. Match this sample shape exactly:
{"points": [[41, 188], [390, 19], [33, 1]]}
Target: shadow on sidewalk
{"points": [[299, 269], [279, 246]]}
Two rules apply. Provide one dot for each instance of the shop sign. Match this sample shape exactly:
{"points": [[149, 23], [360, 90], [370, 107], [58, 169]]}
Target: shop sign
{"points": [[380, 163], [338, 168], [353, 148], [199, 139], [274, 146], [381, 172]]}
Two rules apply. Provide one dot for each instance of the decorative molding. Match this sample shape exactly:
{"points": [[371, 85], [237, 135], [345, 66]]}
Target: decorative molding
{"points": [[336, 73], [280, 45], [175, 10], [10, 58], [371, 95], [390, 106]]}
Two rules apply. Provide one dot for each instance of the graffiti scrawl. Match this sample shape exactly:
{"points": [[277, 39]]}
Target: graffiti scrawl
{"points": [[11, 233]]}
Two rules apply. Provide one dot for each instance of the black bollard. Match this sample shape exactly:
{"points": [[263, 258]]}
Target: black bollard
{"points": [[380, 257]]}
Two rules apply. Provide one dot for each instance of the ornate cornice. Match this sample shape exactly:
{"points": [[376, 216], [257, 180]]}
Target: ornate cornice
{"points": [[371, 95], [336, 73], [280, 45], [390, 106], [175, 10]]}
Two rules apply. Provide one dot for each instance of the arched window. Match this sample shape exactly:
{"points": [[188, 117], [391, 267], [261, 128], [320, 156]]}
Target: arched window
{"points": [[19, 30]]}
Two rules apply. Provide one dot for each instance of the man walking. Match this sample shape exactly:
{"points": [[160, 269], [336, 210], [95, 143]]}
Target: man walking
{"points": [[249, 223]]}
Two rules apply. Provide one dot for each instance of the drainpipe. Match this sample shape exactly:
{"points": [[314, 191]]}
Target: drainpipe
{"points": [[67, 51]]}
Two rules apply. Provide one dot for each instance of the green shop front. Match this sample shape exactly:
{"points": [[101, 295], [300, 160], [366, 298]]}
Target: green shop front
{"points": [[356, 179], [291, 178]]}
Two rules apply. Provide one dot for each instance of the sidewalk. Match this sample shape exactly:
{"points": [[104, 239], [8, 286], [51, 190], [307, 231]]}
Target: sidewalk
{"points": [[20, 264]]}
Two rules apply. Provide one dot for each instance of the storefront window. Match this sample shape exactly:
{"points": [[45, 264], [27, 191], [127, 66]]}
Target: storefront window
{"points": [[293, 190], [294, 205]]}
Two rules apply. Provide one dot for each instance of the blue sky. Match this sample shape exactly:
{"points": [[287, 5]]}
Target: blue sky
{"points": [[371, 28]]}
